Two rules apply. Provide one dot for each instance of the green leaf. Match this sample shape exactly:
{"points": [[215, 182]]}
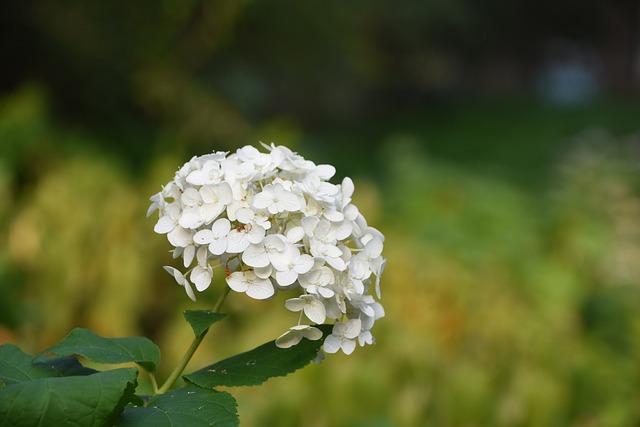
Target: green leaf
{"points": [[17, 366], [85, 343], [258, 365], [88, 401], [189, 406], [200, 320], [63, 367]]}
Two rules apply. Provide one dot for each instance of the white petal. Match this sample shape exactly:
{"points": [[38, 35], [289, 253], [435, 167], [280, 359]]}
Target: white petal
{"points": [[201, 278], [309, 223], [315, 311], [373, 248], [237, 242], [332, 344], [343, 229], [286, 278], [262, 200], [177, 274], [164, 225], [304, 263], [209, 195], [295, 304], [348, 345], [261, 289], [188, 254], [347, 187], [255, 256], [350, 212], [323, 229], [197, 178], [325, 292], [295, 234], [189, 219], [256, 234], [263, 272], [211, 211], [331, 251], [336, 263], [202, 256], [225, 193], [324, 171], [280, 261], [189, 290], [365, 338], [312, 333], [352, 328], [221, 227], [180, 237], [333, 215], [289, 339], [288, 202], [237, 281], [190, 197], [245, 215], [203, 237], [218, 246]]}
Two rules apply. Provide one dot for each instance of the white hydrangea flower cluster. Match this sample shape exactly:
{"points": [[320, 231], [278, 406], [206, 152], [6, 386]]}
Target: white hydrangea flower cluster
{"points": [[274, 222]]}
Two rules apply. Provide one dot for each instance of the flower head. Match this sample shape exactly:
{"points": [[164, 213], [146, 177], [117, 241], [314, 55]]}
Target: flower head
{"points": [[274, 222]]}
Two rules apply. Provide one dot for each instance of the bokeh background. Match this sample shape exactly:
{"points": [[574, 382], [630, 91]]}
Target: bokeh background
{"points": [[495, 143]]}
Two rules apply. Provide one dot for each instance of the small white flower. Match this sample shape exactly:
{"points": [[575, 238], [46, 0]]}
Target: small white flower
{"points": [[295, 334], [290, 265], [316, 281], [265, 252], [157, 202], [169, 220], [204, 205], [209, 174], [276, 199], [239, 239], [201, 277], [180, 237], [312, 307], [247, 282], [343, 337], [216, 237]]}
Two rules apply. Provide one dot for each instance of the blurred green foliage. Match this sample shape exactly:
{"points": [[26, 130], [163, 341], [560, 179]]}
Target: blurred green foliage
{"points": [[512, 289], [507, 304]]}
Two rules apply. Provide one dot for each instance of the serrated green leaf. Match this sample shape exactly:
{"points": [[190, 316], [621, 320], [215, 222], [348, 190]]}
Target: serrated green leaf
{"points": [[85, 343], [17, 366], [258, 365], [89, 401], [200, 320], [189, 406]]}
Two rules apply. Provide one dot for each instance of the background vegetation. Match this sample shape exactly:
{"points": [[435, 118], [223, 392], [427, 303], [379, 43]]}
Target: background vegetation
{"points": [[510, 197]]}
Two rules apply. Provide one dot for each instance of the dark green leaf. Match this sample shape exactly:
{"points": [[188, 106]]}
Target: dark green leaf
{"points": [[200, 320], [87, 401], [189, 406], [85, 343], [63, 367], [258, 365], [17, 366]]}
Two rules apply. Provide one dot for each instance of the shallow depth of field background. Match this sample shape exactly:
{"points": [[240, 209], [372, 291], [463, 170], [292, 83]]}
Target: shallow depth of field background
{"points": [[496, 144]]}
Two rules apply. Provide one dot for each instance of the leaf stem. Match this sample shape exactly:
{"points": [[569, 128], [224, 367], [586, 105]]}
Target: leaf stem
{"points": [[173, 377], [154, 383]]}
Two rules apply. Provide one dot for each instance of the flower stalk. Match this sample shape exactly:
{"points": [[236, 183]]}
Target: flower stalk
{"points": [[180, 367]]}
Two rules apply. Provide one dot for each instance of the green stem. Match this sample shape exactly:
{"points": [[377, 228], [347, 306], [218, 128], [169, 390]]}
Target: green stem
{"points": [[173, 377], [154, 383]]}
